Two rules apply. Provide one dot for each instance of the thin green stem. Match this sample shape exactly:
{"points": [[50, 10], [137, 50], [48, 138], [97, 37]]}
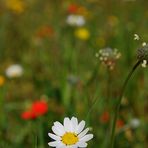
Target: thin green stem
{"points": [[91, 108], [119, 103], [41, 131], [93, 77], [108, 85]]}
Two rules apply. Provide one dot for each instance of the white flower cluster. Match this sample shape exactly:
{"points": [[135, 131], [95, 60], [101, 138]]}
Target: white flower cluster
{"points": [[108, 56], [75, 20]]}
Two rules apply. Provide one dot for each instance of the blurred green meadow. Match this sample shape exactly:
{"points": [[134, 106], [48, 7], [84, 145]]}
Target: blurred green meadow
{"points": [[54, 44]]}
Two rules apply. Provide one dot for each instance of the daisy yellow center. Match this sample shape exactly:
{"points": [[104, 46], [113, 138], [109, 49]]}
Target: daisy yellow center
{"points": [[70, 138]]}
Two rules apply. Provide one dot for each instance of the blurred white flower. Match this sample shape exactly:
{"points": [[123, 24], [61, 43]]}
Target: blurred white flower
{"points": [[108, 56], [72, 79], [134, 123], [144, 63], [144, 44], [69, 135], [136, 37], [75, 20], [15, 70], [97, 55]]}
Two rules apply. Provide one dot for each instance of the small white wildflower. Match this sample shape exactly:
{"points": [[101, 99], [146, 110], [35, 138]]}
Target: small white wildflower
{"points": [[136, 37], [100, 51], [101, 58], [97, 55], [144, 63], [134, 123], [15, 70], [75, 20], [144, 44], [69, 135], [109, 56]]}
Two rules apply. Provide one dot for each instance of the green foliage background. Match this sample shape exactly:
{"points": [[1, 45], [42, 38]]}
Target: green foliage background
{"points": [[49, 61]]}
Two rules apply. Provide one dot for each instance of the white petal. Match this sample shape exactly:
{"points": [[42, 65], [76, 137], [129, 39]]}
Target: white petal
{"points": [[54, 143], [72, 146], [58, 125], [80, 127], [74, 122], [87, 137], [67, 125], [61, 145], [82, 144], [83, 133], [57, 131], [53, 136]]}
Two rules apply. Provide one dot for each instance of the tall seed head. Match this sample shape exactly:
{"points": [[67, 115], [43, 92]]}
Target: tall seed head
{"points": [[142, 53]]}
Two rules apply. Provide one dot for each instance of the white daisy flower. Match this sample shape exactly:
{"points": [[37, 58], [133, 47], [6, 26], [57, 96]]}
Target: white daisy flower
{"points": [[70, 134], [14, 71], [75, 20]]}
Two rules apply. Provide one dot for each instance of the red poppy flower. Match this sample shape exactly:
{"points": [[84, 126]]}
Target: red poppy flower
{"points": [[119, 123], [27, 115], [73, 8], [39, 108], [105, 117]]}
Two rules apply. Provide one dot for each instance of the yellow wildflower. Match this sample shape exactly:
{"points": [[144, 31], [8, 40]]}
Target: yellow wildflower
{"points": [[82, 33], [2, 80], [16, 6]]}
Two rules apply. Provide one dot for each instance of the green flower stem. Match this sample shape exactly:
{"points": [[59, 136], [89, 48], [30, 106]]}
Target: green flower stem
{"points": [[91, 106], [93, 76], [108, 93], [119, 103], [41, 131], [3, 111]]}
